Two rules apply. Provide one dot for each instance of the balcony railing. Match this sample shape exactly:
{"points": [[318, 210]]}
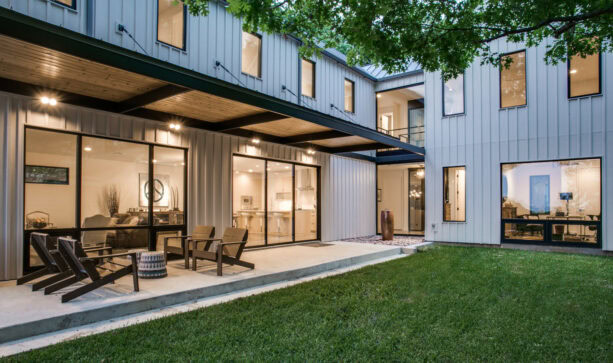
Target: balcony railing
{"points": [[411, 135]]}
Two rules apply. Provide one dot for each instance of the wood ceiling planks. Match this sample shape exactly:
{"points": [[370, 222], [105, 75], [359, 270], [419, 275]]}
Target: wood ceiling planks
{"points": [[44, 67], [287, 127]]}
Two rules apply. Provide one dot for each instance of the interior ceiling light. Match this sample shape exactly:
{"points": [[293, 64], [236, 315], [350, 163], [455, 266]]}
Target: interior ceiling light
{"points": [[255, 140], [154, 161], [87, 148], [378, 95], [311, 152], [573, 71], [175, 126]]}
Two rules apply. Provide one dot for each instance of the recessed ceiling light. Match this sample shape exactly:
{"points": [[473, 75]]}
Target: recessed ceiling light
{"points": [[251, 170], [182, 164], [573, 71], [44, 100], [87, 148], [255, 140], [154, 161], [52, 101], [287, 167], [379, 95]]}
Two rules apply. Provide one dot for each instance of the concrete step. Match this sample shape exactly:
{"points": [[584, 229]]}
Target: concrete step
{"points": [[95, 314]]}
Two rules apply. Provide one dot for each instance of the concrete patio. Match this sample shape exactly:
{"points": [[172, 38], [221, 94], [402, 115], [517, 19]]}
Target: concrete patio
{"points": [[24, 313]]}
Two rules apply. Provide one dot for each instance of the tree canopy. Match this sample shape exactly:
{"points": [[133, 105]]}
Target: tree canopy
{"points": [[440, 35]]}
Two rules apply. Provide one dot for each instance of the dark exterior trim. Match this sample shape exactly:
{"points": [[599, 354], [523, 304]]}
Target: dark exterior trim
{"points": [[72, 7], [599, 79], [500, 79], [150, 97], [399, 159], [547, 224], [323, 135], [31, 30], [463, 98], [465, 198], [360, 147], [157, 27], [239, 122]]}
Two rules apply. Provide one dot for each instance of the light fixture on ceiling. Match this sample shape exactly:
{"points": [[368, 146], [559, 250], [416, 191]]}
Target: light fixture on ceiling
{"points": [[255, 140], [287, 167], [155, 161], [48, 101], [378, 95], [175, 126], [87, 148], [573, 71], [310, 151], [251, 170], [182, 164]]}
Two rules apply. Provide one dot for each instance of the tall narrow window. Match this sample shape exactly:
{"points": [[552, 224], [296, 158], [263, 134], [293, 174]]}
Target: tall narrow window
{"points": [[453, 96], [251, 58], [349, 96], [308, 78], [513, 80], [454, 194], [69, 3], [584, 75], [171, 23]]}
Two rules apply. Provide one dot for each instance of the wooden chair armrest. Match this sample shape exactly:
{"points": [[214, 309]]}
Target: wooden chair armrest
{"points": [[205, 240], [123, 254], [232, 243], [175, 237], [94, 249]]}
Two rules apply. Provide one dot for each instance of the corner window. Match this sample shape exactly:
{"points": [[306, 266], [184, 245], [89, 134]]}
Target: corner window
{"points": [[69, 3], [584, 75], [454, 194], [251, 56], [453, 96], [513, 80], [349, 96], [308, 78], [171, 23]]}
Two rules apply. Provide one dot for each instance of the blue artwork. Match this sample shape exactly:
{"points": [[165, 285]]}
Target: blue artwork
{"points": [[539, 194]]}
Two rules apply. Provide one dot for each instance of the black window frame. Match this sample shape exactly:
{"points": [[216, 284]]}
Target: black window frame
{"points": [[157, 27], [352, 96], [294, 164], [260, 55], [463, 97], [547, 224], [71, 7], [465, 194], [500, 69], [568, 83], [76, 231], [312, 80]]}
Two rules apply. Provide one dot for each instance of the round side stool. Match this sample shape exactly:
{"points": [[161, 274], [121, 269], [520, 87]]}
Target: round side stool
{"points": [[151, 265]]}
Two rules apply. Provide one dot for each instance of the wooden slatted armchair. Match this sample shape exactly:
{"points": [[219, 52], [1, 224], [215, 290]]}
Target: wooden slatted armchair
{"points": [[181, 243], [53, 262], [227, 249], [83, 267]]}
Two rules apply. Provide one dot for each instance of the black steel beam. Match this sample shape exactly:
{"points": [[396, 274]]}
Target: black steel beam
{"points": [[399, 159], [150, 97], [239, 122], [323, 135], [25, 28], [360, 147]]}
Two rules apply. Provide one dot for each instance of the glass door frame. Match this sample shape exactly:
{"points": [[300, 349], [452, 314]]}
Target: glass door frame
{"points": [[76, 231], [293, 163], [377, 216]]}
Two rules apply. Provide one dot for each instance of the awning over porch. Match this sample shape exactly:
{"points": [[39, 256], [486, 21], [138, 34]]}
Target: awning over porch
{"points": [[39, 58]]}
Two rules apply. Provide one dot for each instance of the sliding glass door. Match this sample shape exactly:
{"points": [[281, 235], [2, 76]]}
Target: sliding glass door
{"points": [[276, 201]]}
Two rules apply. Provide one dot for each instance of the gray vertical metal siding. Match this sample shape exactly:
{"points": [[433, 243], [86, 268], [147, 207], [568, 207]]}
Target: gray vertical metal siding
{"points": [[347, 194], [51, 12], [550, 127]]}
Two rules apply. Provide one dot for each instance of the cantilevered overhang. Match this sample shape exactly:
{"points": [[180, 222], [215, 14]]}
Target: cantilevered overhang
{"points": [[37, 56]]}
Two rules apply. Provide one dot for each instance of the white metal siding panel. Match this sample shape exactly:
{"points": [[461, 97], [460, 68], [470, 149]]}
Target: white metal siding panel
{"points": [[347, 185], [550, 127]]}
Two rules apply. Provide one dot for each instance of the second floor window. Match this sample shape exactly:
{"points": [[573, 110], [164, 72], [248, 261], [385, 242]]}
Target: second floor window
{"points": [[453, 96], [308, 78], [70, 3], [584, 75], [251, 56], [171, 23], [349, 96], [513, 80]]}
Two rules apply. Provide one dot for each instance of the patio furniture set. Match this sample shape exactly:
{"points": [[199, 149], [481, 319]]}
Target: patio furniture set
{"points": [[70, 261]]}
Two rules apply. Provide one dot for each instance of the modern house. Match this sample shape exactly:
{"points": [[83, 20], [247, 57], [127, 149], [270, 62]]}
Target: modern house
{"points": [[128, 121]]}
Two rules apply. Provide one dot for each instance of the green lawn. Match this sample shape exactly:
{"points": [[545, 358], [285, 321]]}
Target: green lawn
{"points": [[447, 303]]}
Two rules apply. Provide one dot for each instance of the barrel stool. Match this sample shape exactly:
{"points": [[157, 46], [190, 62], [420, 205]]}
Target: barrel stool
{"points": [[152, 265]]}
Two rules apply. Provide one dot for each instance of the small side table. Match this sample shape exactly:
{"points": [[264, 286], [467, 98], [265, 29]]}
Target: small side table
{"points": [[152, 265]]}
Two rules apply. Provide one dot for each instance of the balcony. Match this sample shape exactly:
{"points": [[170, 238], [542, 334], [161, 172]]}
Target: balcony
{"points": [[400, 114]]}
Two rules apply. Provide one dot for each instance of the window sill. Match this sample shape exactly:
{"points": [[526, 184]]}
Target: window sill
{"points": [[512, 107], [252, 76], [170, 46], [585, 96]]}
